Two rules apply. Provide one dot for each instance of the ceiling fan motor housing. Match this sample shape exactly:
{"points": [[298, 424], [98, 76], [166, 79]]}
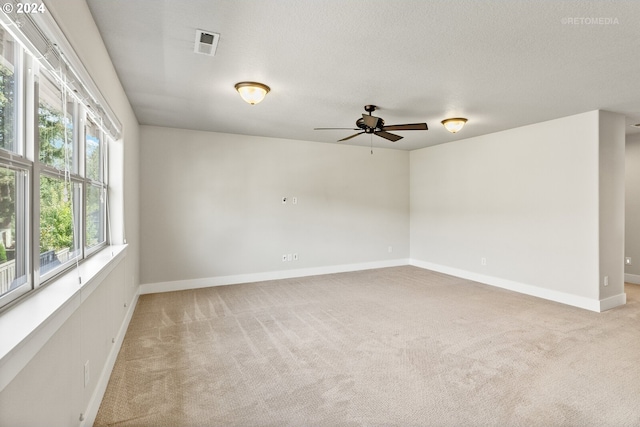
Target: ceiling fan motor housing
{"points": [[369, 129]]}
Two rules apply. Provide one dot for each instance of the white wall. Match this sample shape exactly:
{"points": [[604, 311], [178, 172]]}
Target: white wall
{"points": [[50, 389], [542, 204], [526, 200], [632, 207], [612, 195], [211, 204]]}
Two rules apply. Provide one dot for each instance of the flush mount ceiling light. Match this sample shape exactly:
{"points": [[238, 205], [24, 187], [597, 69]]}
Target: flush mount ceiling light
{"points": [[252, 92], [454, 125]]}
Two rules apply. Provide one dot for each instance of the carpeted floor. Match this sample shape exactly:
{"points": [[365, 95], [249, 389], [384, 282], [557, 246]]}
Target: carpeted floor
{"points": [[398, 346]]}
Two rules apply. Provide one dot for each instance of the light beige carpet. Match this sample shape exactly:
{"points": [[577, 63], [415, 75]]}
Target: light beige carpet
{"points": [[398, 346]]}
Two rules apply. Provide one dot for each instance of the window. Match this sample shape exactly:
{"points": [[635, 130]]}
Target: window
{"points": [[53, 167], [13, 268], [58, 237], [93, 152], [60, 189], [96, 190], [95, 221], [55, 126], [14, 173], [7, 92]]}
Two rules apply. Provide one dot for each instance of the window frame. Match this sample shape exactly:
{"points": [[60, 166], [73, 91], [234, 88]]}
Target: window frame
{"points": [[89, 182], [23, 214], [75, 189]]}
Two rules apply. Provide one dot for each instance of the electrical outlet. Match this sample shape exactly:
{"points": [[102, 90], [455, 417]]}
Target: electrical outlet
{"points": [[86, 373], [483, 261], [295, 257], [289, 257], [284, 257], [606, 280], [294, 200], [627, 260], [390, 249]]}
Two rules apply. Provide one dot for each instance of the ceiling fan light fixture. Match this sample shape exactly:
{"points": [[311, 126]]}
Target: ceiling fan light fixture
{"points": [[454, 124], [252, 92]]}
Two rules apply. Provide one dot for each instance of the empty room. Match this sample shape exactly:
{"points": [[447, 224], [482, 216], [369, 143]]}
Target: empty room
{"points": [[319, 213]]}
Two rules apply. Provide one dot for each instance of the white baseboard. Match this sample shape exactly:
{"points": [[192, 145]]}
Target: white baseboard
{"points": [[548, 294], [103, 380], [613, 302], [180, 285], [632, 278]]}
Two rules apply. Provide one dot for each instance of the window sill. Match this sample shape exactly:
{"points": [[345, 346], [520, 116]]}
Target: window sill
{"points": [[25, 328]]}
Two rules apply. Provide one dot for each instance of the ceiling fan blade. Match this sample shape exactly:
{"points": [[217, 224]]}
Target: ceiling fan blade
{"points": [[370, 121], [387, 135], [336, 129], [352, 136], [411, 126]]}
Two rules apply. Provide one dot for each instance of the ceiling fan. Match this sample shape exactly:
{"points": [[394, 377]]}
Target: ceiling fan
{"points": [[376, 126]]}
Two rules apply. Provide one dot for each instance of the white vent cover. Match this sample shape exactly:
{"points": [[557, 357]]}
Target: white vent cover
{"points": [[206, 42]]}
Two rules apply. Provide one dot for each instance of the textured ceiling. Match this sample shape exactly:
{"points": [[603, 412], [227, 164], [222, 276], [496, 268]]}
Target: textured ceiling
{"points": [[501, 64]]}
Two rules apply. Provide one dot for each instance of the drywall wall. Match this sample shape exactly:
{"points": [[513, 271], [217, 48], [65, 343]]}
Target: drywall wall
{"points": [[50, 389], [211, 204], [611, 176], [632, 208], [525, 202]]}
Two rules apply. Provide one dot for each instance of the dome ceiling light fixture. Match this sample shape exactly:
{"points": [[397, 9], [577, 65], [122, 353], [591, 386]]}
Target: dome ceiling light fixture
{"points": [[454, 124], [252, 92]]}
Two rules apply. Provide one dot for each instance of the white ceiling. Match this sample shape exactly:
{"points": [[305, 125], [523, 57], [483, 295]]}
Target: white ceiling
{"points": [[501, 64]]}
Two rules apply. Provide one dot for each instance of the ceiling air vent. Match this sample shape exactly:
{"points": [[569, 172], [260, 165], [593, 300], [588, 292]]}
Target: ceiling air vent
{"points": [[206, 42]]}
